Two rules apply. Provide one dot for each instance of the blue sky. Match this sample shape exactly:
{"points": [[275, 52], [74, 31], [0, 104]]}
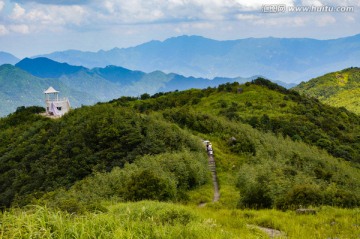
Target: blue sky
{"points": [[31, 27]]}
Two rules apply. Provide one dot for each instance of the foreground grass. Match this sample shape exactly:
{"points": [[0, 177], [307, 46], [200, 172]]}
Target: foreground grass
{"points": [[166, 220]]}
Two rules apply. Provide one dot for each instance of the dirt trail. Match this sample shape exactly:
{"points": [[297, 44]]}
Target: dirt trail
{"points": [[212, 167], [273, 233]]}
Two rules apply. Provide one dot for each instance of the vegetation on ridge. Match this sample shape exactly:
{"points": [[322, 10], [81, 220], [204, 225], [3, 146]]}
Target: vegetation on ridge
{"points": [[339, 89], [39, 154], [85, 170]]}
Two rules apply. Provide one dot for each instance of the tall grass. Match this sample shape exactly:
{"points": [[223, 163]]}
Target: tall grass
{"points": [[148, 219]]}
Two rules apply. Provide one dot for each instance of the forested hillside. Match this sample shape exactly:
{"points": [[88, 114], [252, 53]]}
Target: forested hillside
{"points": [[339, 89], [79, 176], [274, 148]]}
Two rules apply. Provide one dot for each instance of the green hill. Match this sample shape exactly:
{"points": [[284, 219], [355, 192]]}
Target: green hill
{"points": [[339, 89], [273, 149]]}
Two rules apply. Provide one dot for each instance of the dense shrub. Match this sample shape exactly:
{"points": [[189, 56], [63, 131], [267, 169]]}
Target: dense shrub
{"points": [[148, 185], [304, 195], [161, 177], [39, 155], [286, 174], [267, 83], [242, 144]]}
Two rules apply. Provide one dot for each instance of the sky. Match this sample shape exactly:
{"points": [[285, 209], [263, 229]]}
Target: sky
{"points": [[33, 27]]}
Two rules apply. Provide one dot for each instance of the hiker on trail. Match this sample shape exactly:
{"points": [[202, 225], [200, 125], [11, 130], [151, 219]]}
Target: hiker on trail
{"points": [[209, 149]]}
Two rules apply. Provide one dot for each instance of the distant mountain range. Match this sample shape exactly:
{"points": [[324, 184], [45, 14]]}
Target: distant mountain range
{"points": [[290, 60], [339, 89], [7, 58], [24, 83]]}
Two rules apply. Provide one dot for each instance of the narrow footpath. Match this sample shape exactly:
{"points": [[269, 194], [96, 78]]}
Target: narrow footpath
{"points": [[212, 167]]}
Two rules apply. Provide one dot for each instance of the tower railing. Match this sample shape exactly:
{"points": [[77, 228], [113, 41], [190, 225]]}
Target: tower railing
{"points": [[57, 100]]}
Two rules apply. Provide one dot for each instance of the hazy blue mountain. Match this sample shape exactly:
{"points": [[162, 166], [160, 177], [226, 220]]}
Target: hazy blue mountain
{"points": [[87, 86], [23, 84], [46, 68], [114, 81], [119, 74], [284, 84], [19, 88], [7, 58], [285, 59], [179, 82]]}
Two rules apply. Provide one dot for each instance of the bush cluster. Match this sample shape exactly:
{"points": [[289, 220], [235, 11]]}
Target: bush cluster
{"points": [[164, 177], [38, 155]]}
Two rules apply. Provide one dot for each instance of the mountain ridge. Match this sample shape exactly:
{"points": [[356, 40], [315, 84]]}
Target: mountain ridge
{"points": [[290, 60], [97, 84], [47, 68], [8, 58]]}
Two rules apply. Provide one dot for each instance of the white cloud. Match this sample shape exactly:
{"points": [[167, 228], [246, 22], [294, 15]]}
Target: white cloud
{"points": [[355, 3], [311, 3], [247, 17], [50, 16], [183, 27], [203, 25], [57, 2], [22, 29], [325, 20], [185, 15], [257, 4], [97, 13], [283, 21], [2, 5], [142, 11], [350, 18], [109, 6], [3, 30], [17, 11]]}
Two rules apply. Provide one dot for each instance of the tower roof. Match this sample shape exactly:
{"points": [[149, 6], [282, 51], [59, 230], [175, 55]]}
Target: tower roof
{"points": [[51, 90]]}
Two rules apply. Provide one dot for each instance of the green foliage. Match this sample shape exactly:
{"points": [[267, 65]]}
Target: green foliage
{"points": [[144, 96], [22, 115], [40, 155], [147, 185], [144, 149], [160, 177], [244, 145], [340, 89], [161, 101], [165, 220], [270, 85], [286, 113], [279, 172], [286, 174]]}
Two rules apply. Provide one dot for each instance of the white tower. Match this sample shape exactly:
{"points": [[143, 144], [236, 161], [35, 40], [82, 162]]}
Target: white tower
{"points": [[54, 105]]}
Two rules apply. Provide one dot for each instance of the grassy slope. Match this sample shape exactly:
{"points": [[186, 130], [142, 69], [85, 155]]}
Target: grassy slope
{"points": [[166, 220], [219, 220], [339, 89]]}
